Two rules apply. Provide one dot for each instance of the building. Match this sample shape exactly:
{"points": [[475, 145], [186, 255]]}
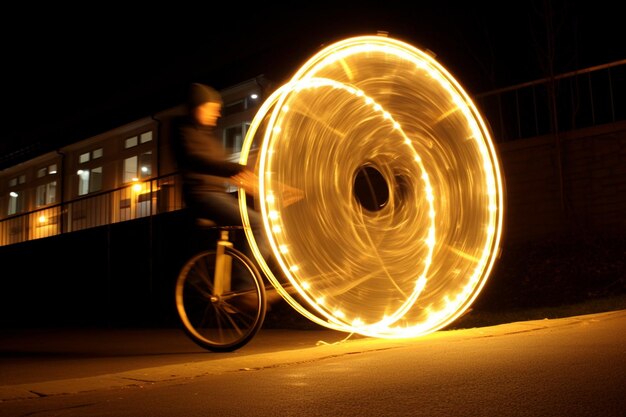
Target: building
{"points": [[119, 175]]}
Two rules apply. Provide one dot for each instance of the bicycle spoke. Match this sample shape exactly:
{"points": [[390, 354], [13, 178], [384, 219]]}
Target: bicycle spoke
{"points": [[222, 322], [204, 287]]}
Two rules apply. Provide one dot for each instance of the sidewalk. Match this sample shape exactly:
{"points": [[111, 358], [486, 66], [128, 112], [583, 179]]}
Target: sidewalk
{"points": [[47, 362]]}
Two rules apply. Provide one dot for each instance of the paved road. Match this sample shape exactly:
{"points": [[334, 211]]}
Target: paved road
{"points": [[572, 366], [30, 358]]}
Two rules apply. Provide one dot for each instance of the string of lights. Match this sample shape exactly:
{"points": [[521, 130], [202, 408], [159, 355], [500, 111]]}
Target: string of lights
{"points": [[401, 215]]}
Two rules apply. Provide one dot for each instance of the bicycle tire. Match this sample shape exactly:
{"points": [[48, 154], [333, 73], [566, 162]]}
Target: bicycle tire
{"points": [[226, 322]]}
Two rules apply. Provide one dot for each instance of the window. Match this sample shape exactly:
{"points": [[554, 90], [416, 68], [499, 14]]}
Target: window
{"points": [[84, 157], [17, 180], [16, 202], [234, 107], [145, 137], [130, 142], [138, 163], [49, 170], [130, 169], [145, 165], [95, 182], [16, 195], [46, 194], [233, 139], [234, 136], [138, 167], [89, 180], [83, 181], [241, 105]]}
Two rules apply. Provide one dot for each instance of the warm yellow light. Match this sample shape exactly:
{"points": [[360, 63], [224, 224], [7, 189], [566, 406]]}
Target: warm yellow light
{"points": [[42, 219], [415, 259], [136, 187]]}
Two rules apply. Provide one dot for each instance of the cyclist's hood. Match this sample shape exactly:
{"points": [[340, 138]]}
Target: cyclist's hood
{"points": [[200, 94]]}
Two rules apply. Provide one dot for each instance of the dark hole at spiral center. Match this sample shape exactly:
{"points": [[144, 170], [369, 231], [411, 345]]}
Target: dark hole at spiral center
{"points": [[370, 188]]}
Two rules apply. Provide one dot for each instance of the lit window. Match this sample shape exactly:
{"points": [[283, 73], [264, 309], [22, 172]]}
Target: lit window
{"points": [[137, 167], [130, 142], [52, 169], [13, 182], [89, 181], [130, 169], [145, 165], [42, 172], [83, 181], [145, 137], [15, 203], [96, 153], [41, 195], [46, 194], [84, 157]]}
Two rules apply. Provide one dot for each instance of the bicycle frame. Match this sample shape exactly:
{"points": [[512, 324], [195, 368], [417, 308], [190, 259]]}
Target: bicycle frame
{"points": [[223, 265]]}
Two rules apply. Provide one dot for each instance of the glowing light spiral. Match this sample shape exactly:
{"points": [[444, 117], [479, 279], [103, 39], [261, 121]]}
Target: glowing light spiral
{"points": [[402, 212]]}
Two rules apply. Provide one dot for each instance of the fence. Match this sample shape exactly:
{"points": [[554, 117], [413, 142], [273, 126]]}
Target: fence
{"points": [[138, 200], [566, 102]]}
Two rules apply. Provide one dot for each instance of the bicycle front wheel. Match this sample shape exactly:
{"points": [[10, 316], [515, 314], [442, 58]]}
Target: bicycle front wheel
{"points": [[219, 317]]}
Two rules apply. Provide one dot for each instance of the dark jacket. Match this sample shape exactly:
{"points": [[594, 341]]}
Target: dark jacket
{"points": [[201, 158]]}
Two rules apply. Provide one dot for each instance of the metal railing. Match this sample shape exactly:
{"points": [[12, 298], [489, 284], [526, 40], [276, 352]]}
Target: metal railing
{"points": [[137, 200], [575, 100]]}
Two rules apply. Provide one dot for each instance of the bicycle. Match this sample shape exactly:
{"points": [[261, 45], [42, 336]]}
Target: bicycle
{"points": [[220, 295]]}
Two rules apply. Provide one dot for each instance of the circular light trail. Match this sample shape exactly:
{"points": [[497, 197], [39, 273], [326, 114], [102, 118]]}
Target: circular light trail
{"points": [[401, 215]]}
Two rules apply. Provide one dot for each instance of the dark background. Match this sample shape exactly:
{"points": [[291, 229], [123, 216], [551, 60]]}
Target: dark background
{"points": [[70, 73]]}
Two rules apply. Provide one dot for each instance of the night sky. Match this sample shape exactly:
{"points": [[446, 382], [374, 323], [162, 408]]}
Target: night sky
{"points": [[73, 73]]}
